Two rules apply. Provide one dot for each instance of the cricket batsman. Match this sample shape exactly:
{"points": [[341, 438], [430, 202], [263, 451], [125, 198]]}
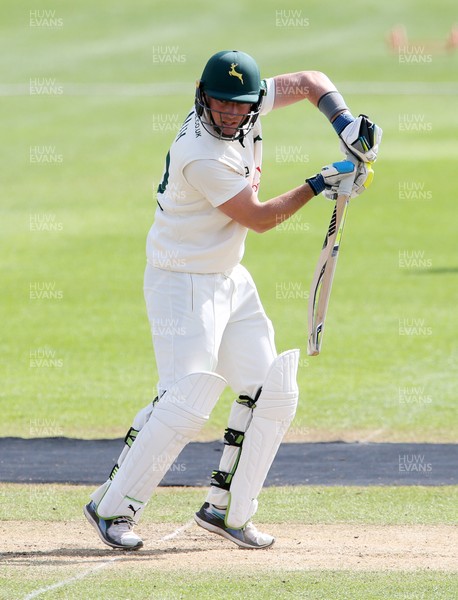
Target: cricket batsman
{"points": [[208, 325]]}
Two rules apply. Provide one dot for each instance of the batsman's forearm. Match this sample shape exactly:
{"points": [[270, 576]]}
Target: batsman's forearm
{"points": [[278, 209], [303, 85]]}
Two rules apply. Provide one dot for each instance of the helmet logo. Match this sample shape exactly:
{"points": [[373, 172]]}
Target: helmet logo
{"points": [[234, 73]]}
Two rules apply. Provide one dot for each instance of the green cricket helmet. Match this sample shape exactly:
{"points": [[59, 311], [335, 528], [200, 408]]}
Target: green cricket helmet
{"points": [[230, 76]]}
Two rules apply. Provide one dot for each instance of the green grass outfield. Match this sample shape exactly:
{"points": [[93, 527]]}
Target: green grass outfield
{"points": [[402, 505], [310, 586]]}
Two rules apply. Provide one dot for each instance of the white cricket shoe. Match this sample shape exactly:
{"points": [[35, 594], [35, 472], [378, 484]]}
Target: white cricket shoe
{"points": [[248, 537], [117, 532]]}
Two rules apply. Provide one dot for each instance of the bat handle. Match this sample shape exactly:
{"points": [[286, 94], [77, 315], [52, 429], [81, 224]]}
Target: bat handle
{"points": [[346, 184]]}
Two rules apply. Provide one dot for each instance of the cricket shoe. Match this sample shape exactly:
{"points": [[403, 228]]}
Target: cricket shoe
{"points": [[212, 520], [116, 532]]}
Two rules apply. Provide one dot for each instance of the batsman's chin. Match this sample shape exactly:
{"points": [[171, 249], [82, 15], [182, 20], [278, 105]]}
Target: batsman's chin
{"points": [[228, 130]]}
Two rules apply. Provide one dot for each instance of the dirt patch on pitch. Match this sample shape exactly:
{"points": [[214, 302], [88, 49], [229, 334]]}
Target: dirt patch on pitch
{"points": [[298, 547]]}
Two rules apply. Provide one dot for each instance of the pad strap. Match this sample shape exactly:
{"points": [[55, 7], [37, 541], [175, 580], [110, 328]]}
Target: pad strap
{"points": [[247, 400], [221, 479], [130, 436], [232, 437], [114, 470]]}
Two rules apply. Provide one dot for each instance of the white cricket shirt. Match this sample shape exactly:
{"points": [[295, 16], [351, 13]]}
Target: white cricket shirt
{"points": [[190, 234]]}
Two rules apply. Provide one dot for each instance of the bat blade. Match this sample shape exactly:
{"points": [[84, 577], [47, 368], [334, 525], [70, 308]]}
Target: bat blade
{"points": [[320, 289]]}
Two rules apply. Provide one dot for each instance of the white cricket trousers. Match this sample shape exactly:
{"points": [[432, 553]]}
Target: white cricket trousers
{"points": [[209, 322]]}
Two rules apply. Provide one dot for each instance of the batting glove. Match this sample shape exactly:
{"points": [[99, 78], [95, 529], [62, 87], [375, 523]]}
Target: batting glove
{"points": [[330, 176], [363, 179], [361, 137]]}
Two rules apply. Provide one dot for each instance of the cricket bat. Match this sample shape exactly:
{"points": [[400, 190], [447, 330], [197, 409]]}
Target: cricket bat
{"points": [[320, 289]]}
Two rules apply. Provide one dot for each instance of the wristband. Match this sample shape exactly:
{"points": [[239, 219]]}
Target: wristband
{"points": [[342, 121], [317, 184], [331, 103]]}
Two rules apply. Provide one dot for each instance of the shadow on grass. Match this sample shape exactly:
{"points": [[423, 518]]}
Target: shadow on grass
{"points": [[435, 271], [70, 556]]}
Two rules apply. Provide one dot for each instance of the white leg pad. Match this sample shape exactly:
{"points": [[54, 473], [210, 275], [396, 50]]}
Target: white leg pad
{"points": [[176, 419], [138, 423], [272, 416], [239, 419], [99, 493]]}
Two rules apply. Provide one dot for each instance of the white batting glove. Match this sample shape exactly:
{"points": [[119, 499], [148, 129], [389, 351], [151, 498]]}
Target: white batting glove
{"points": [[363, 179], [361, 138], [329, 177]]}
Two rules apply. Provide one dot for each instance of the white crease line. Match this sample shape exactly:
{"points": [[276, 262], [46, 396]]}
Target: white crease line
{"points": [[107, 563], [174, 534], [73, 579]]}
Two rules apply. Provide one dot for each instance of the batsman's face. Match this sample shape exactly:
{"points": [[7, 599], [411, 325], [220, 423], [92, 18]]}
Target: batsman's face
{"points": [[228, 115]]}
